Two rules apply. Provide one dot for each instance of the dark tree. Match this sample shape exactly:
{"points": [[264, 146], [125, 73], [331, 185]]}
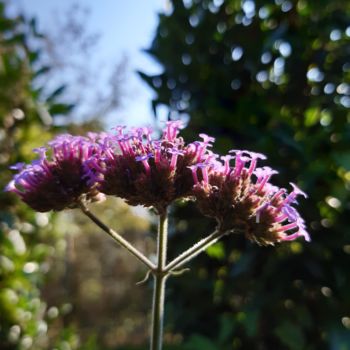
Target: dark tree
{"points": [[273, 77]]}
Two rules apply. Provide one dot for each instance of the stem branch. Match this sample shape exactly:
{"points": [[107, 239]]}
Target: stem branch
{"points": [[117, 237], [195, 250]]}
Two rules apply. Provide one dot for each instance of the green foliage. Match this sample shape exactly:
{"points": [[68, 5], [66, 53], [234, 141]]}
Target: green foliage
{"points": [[273, 77], [27, 240], [216, 251], [290, 335], [50, 298], [200, 342]]}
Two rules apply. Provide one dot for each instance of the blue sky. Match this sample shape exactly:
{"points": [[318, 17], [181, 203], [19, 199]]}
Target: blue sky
{"points": [[126, 27]]}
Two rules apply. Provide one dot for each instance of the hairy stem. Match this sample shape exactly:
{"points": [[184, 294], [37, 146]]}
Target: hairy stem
{"points": [[195, 250], [158, 312], [160, 277], [117, 237]]}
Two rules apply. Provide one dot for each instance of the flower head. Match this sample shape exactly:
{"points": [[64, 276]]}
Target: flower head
{"points": [[242, 198], [56, 181], [145, 171]]}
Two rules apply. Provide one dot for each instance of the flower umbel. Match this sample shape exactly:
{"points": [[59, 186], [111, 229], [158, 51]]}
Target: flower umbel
{"points": [[155, 172], [57, 179], [145, 171], [240, 197]]}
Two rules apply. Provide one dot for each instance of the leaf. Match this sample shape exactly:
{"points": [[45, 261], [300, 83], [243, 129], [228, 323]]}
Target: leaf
{"points": [[342, 159], [17, 39], [146, 78], [42, 70], [216, 251], [312, 116], [290, 335], [34, 56], [199, 342], [60, 108], [227, 325], [57, 92], [251, 322]]}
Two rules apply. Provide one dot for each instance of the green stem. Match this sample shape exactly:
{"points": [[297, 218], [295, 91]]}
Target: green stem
{"points": [[158, 312], [117, 237], [160, 277], [195, 250]]}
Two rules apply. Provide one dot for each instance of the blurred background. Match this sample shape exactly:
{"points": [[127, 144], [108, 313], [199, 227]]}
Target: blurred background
{"points": [[271, 76]]}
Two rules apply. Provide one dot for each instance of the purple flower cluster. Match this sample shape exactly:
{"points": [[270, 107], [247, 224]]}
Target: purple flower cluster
{"points": [[240, 197], [57, 179], [144, 171], [155, 172]]}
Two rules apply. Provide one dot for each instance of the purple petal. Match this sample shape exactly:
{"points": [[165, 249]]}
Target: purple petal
{"points": [[206, 138], [297, 190], [18, 166]]}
